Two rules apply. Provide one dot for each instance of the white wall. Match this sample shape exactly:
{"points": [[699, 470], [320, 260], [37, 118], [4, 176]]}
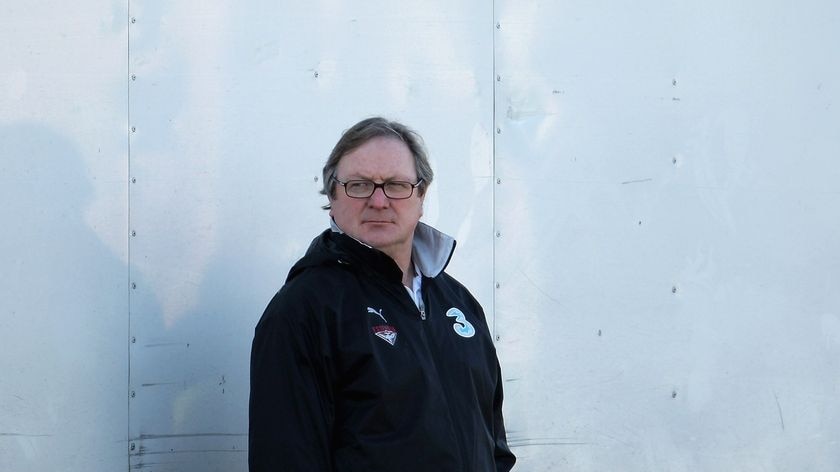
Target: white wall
{"points": [[669, 249], [645, 199], [63, 253]]}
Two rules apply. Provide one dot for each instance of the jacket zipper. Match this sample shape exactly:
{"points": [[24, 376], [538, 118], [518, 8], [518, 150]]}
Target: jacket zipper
{"points": [[422, 307]]}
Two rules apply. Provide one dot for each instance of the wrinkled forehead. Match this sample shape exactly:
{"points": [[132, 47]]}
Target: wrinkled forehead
{"points": [[379, 158]]}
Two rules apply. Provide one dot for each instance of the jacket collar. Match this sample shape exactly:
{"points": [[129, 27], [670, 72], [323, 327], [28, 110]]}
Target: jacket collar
{"points": [[430, 252]]}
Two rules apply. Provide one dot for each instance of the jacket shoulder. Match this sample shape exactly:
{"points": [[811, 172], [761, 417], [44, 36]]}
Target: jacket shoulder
{"points": [[449, 283], [302, 297]]}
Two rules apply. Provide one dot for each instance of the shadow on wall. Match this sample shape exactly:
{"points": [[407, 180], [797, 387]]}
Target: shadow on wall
{"points": [[63, 313]]}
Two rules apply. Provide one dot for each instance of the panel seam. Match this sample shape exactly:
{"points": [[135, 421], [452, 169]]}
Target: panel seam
{"points": [[493, 177], [128, 227]]}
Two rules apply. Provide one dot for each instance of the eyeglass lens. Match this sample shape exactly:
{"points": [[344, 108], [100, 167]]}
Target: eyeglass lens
{"points": [[365, 188]]}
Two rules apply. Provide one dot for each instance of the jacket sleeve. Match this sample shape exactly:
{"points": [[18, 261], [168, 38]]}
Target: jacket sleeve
{"points": [[291, 405], [503, 455]]}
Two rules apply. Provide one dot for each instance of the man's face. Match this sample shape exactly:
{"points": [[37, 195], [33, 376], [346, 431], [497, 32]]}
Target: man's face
{"points": [[386, 224]]}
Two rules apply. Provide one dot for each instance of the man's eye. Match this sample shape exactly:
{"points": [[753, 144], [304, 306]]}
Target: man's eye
{"points": [[398, 186], [359, 186]]}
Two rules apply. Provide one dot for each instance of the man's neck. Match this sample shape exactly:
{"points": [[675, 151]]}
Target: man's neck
{"points": [[408, 275], [402, 257]]}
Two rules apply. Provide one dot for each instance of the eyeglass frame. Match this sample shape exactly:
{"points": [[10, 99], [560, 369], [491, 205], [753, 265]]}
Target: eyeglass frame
{"points": [[379, 185]]}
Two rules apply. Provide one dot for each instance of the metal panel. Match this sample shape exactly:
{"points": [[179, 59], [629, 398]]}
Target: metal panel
{"points": [[233, 112], [63, 284], [667, 250], [659, 221]]}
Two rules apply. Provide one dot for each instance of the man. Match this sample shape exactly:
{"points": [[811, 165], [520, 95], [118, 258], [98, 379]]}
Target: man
{"points": [[371, 358]]}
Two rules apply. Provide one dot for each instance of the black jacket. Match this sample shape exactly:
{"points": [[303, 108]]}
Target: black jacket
{"points": [[348, 375]]}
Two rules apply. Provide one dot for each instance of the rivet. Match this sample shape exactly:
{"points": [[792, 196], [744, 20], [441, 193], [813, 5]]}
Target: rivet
{"points": [[132, 394], [674, 160], [498, 130], [132, 446], [674, 289], [133, 340], [316, 74], [133, 19], [674, 394], [315, 179], [674, 82], [133, 77], [498, 78], [498, 234], [498, 181], [498, 285], [498, 25], [134, 180], [498, 337], [133, 233], [133, 286], [133, 129]]}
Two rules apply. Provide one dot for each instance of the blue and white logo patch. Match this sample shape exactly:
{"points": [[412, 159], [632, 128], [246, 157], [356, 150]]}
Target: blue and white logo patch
{"points": [[462, 327]]}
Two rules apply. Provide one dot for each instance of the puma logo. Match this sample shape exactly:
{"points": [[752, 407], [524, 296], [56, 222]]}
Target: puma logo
{"points": [[377, 313]]}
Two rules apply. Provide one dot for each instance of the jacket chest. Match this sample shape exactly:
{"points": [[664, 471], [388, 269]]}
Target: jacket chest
{"points": [[387, 349]]}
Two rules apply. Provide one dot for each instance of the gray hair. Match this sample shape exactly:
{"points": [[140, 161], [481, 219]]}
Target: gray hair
{"points": [[364, 131]]}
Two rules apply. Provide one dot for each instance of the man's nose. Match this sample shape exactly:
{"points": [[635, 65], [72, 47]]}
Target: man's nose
{"points": [[378, 199]]}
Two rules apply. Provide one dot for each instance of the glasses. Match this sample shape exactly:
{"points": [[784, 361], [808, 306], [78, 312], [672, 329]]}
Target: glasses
{"points": [[395, 189]]}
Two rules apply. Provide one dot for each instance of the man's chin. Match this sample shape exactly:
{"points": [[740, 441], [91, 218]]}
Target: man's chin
{"points": [[378, 239]]}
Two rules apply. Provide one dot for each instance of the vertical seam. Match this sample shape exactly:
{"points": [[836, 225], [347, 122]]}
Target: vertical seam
{"points": [[493, 177], [128, 224]]}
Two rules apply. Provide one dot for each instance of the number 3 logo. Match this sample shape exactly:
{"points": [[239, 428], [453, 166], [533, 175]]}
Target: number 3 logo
{"points": [[463, 327]]}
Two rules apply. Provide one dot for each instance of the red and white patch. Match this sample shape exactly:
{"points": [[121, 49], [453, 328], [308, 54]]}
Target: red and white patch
{"points": [[386, 332]]}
